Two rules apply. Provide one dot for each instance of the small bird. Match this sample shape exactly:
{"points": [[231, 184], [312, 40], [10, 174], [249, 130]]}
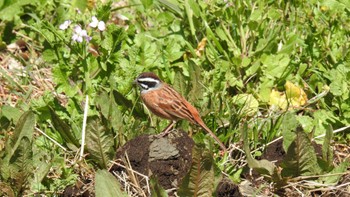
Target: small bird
{"points": [[165, 102]]}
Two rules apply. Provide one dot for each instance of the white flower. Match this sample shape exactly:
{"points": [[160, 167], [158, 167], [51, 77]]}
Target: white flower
{"points": [[65, 25], [101, 26], [96, 23], [79, 34]]}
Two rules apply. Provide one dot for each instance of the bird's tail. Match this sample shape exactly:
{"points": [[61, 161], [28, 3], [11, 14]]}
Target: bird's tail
{"points": [[223, 147]]}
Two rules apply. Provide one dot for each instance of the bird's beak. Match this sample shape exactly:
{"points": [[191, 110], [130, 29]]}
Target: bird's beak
{"points": [[134, 82]]}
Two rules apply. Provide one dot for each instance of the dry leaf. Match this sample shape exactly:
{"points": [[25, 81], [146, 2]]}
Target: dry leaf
{"points": [[201, 47]]}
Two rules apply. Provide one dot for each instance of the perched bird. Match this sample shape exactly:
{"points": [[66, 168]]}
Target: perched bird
{"points": [[165, 102]]}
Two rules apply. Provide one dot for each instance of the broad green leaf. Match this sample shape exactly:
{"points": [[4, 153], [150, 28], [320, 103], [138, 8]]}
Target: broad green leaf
{"points": [[11, 113], [49, 55], [276, 65], [265, 89], [335, 175], [63, 82], [290, 45], [262, 166], [249, 105], [300, 159], [11, 9], [106, 185], [322, 119], [195, 78], [64, 130], [42, 167], [194, 6], [99, 141], [113, 38], [121, 100], [21, 164], [103, 103], [80, 4], [306, 122], [201, 179], [110, 110], [24, 128], [288, 125]]}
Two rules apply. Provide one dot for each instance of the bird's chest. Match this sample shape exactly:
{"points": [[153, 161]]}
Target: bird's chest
{"points": [[158, 103]]}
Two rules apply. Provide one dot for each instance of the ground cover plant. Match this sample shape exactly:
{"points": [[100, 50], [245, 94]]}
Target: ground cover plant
{"points": [[270, 78]]}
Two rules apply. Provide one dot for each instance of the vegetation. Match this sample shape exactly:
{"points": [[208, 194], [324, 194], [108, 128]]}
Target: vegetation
{"points": [[258, 71]]}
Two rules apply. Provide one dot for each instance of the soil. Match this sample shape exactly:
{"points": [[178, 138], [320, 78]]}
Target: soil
{"points": [[167, 158]]}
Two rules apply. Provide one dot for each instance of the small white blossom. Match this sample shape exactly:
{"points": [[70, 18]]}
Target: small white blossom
{"points": [[101, 26], [65, 25], [79, 34], [96, 23]]}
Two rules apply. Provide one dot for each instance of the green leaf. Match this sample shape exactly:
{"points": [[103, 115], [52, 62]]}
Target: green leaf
{"points": [[201, 180], [265, 89], [24, 128], [80, 4], [156, 189], [196, 88], [327, 151], [64, 84], [173, 6], [99, 141], [247, 103], [306, 122], [262, 166], [113, 38], [64, 130], [120, 99], [10, 9], [276, 65], [11, 113], [189, 14], [106, 185], [301, 157], [289, 124], [21, 164], [147, 3], [335, 175], [110, 110]]}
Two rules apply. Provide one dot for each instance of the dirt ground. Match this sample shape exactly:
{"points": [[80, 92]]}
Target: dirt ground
{"points": [[168, 159]]}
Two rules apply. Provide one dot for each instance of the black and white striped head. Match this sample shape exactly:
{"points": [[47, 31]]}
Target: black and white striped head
{"points": [[148, 81]]}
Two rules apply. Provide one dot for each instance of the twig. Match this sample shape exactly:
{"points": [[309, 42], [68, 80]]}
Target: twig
{"points": [[335, 131], [135, 184], [54, 141], [86, 108]]}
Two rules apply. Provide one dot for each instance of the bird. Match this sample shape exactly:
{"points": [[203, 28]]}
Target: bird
{"points": [[164, 101]]}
